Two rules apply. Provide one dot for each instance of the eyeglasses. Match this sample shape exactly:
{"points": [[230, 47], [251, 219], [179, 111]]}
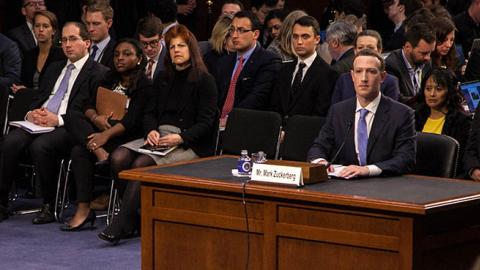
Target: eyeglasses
{"points": [[34, 3], [152, 44], [70, 39], [239, 31]]}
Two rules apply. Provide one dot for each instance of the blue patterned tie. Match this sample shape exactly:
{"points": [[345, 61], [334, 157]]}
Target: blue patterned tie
{"points": [[54, 103], [362, 137]]}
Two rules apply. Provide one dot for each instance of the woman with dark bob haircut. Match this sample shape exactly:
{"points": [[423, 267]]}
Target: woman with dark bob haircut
{"points": [[440, 107], [183, 115], [97, 135]]}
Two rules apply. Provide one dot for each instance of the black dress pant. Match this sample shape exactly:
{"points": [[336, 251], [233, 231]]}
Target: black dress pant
{"points": [[46, 151]]}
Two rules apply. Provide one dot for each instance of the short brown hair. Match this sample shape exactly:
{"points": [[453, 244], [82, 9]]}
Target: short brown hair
{"points": [[105, 9], [370, 33], [82, 29], [149, 26], [370, 52]]}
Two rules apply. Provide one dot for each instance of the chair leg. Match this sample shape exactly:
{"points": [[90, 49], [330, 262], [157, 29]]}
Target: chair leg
{"points": [[111, 202], [62, 185]]}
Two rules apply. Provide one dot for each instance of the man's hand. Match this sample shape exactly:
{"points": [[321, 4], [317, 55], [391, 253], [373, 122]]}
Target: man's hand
{"points": [[475, 174], [352, 171], [48, 119], [16, 87]]}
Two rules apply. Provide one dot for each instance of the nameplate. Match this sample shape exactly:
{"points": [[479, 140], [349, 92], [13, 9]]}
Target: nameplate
{"points": [[286, 175]]}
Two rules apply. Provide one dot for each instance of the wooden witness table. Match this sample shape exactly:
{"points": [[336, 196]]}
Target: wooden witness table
{"points": [[193, 218]]}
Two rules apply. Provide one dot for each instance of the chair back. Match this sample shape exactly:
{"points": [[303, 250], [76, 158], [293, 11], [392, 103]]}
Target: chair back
{"points": [[300, 132], [437, 155], [252, 130]]}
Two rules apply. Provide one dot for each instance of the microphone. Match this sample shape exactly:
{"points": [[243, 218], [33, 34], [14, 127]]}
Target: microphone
{"points": [[349, 127]]}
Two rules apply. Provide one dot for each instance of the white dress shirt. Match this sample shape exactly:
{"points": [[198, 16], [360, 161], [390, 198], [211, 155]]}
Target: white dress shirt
{"points": [[308, 62], [101, 48]]}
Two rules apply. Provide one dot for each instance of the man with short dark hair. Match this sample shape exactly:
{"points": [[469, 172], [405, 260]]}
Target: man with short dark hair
{"points": [[397, 12], [369, 134], [412, 62], [304, 86], [340, 38], [149, 32], [344, 88], [468, 25], [23, 34], [66, 87], [261, 8], [248, 75], [231, 7], [99, 19]]}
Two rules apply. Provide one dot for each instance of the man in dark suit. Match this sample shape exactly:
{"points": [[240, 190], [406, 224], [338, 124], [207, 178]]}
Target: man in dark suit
{"points": [[412, 62], [23, 34], [304, 86], [10, 68], [248, 75], [468, 25], [66, 87], [99, 19], [370, 134], [340, 38], [149, 30], [344, 89]]}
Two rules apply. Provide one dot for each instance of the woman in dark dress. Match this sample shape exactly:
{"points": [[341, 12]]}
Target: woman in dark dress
{"points": [[97, 135], [440, 108], [183, 114], [36, 60]]}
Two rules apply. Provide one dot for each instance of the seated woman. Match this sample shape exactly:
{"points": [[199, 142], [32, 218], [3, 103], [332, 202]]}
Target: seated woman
{"points": [[97, 135], [183, 114], [36, 60], [273, 22], [440, 108], [219, 45], [445, 54]]}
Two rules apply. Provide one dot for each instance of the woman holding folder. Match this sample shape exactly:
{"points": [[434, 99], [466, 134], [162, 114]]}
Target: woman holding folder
{"points": [[183, 115], [98, 134]]}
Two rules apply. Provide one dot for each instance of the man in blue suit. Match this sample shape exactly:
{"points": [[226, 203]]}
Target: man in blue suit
{"points": [[149, 30], [372, 134], [344, 88]]}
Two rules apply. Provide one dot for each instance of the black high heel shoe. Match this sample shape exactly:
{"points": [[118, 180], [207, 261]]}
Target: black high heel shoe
{"points": [[114, 239], [90, 219]]}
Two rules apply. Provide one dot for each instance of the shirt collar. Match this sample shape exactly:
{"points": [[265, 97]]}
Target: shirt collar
{"points": [[372, 106], [80, 62], [309, 60], [246, 55], [102, 44], [30, 25]]}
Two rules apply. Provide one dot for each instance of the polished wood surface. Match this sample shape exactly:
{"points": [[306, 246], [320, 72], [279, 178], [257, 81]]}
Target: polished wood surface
{"points": [[199, 223]]}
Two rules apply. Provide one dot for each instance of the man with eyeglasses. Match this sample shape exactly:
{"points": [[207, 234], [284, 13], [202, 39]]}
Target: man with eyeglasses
{"points": [[99, 19], [248, 74], [66, 87], [23, 34], [149, 30], [304, 86]]}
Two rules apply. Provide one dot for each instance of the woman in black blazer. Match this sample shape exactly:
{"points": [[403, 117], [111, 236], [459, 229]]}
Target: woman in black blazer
{"points": [[440, 108], [183, 114], [36, 60], [97, 135]]}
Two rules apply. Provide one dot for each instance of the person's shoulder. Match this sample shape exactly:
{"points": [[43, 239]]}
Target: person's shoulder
{"points": [[266, 55], [396, 106]]}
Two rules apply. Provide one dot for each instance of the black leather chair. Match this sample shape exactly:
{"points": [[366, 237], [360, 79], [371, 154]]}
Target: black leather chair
{"points": [[437, 155], [251, 130], [300, 132]]}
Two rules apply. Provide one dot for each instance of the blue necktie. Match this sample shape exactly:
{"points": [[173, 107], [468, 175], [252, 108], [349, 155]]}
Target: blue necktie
{"points": [[54, 103], [94, 52], [362, 137]]}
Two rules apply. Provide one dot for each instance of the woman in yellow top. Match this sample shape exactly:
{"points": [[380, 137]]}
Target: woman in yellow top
{"points": [[440, 107]]}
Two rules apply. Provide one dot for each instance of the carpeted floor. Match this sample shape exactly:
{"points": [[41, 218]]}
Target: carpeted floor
{"points": [[24, 246]]}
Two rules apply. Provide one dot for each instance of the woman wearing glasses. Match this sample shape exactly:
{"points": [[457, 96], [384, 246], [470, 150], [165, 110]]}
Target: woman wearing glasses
{"points": [[36, 60], [182, 115]]}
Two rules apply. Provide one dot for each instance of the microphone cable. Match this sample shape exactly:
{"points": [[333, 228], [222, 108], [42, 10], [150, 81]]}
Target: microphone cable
{"points": [[246, 221]]}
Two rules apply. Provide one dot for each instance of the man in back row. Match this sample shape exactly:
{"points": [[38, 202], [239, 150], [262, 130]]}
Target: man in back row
{"points": [[370, 134], [67, 86]]}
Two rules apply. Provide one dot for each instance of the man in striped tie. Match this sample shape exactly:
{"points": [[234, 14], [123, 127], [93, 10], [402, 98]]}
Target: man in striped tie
{"points": [[67, 86], [369, 134]]}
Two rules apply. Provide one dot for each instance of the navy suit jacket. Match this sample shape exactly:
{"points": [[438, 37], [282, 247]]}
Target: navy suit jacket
{"points": [[10, 63], [314, 96], [161, 63], [255, 82], [395, 65], [107, 54], [391, 143], [344, 88], [84, 86], [23, 37]]}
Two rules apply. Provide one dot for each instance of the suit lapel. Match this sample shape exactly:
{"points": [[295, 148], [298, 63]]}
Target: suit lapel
{"points": [[350, 141], [83, 75], [379, 122], [307, 79], [287, 88], [404, 70], [28, 35]]}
